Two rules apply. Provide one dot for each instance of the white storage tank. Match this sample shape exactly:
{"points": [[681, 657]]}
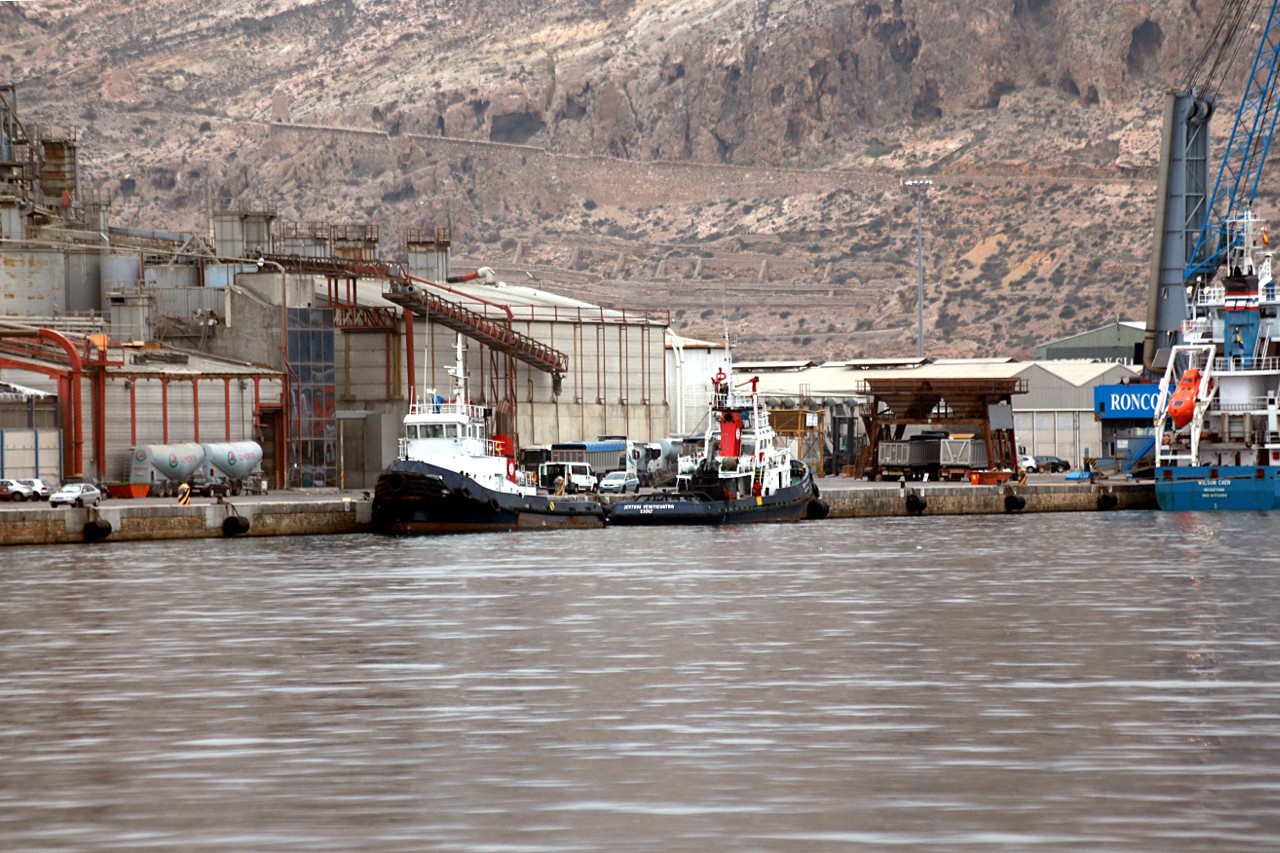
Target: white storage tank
{"points": [[236, 459], [177, 462]]}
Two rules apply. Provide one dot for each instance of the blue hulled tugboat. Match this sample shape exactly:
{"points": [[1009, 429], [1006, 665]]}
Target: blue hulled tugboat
{"points": [[743, 472], [451, 478]]}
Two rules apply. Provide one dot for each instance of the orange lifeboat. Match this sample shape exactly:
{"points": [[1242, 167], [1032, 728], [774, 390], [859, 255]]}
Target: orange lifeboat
{"points": [[1183, 403]]}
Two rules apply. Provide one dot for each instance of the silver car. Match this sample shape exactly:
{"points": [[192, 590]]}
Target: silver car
{"points": [[77, 495], [620, 482], [12, 490]]}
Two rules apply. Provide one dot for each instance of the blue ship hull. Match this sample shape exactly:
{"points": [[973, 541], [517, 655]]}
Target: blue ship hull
{"points": [[1218, 487]]}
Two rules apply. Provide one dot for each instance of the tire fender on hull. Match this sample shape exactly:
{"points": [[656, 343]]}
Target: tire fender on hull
{"points": [[817, 509]]}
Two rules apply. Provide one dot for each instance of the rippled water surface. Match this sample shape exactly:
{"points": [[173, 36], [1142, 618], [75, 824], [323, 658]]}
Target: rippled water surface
{"points": [[1039, 682]]}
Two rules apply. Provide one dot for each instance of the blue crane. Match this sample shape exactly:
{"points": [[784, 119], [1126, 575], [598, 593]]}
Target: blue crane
{"points": [[1241, 168], [1192, 233]]}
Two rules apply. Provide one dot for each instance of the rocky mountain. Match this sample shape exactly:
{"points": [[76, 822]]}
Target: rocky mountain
{"points": [[728, 161]]}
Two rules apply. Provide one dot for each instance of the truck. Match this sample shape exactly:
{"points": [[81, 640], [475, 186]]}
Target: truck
{"points": [[577, 477], [659, 461], [932, 456], [603, 455], [959, 456]]}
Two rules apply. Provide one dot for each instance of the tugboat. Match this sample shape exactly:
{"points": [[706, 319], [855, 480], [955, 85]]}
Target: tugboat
{"points": [[743, 472], [1217, 430], [450, 477]]}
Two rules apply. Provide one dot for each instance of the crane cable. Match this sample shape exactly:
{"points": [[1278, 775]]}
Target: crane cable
{"points": [[1221, 48]]}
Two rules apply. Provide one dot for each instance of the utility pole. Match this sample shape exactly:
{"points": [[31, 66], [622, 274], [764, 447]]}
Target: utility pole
{"points": [[918, 187]]}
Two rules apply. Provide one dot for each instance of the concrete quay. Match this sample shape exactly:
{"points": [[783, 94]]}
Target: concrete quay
{"points": [[861, 499], [330, 512], [145, 519]]}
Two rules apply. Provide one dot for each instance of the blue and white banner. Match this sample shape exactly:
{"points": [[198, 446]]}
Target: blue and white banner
{"points": [[1125, 402]]}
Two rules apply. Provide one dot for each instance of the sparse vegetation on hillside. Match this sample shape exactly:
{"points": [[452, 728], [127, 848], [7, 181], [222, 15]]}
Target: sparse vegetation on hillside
{"points": [[727, 162]]}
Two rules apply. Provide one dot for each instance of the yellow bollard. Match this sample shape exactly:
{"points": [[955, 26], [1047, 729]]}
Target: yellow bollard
{"points": [[184, 495]]}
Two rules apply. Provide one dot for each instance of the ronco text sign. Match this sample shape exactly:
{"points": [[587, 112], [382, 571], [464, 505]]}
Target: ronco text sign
{"points": [[1125, 402]]}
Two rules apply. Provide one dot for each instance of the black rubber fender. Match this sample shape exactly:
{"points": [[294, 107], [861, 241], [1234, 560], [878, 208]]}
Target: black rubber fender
{"points": [[916, 503], [1014, 503], [395, 482], [817, 509], [235, 525], [97, 530], [1106, 501]]}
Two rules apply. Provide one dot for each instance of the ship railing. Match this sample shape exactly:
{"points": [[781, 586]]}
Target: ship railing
{"points": [[1197, 327], [1253, 404], [1210, 295], [1230, 363], [467, 410]]}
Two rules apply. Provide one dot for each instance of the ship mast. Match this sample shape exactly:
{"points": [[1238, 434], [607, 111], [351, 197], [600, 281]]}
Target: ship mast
{"points": [[459, 373]]}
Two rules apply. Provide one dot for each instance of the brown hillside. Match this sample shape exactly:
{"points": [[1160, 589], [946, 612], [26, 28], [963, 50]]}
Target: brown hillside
{"points": [[728, 161]]}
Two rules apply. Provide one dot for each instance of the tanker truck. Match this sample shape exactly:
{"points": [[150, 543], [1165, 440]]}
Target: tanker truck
{"points": [[175, 463], [237, 465]]}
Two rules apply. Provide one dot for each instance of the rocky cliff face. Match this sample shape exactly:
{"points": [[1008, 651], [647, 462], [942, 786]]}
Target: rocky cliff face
{"points": [[730, 160]]}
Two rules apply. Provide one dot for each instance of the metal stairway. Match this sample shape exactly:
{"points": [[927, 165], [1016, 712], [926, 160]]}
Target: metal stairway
{"points": [[415, 298]]}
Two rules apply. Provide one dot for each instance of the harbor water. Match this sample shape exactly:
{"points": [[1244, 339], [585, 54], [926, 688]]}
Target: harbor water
{"points": [[1068, 681]]}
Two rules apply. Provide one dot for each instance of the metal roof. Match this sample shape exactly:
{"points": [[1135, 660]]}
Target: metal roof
{"points": [[171, 361], [9, 390], [689, 343], [474, 296], [836, 380], [1113, 327], [772, 365], [1081, 372]]}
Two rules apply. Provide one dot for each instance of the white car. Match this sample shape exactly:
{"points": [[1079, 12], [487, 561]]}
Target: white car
{"points": [[77, 495], [1028, 463], [620, 482], [12, 490], [39, 487]]}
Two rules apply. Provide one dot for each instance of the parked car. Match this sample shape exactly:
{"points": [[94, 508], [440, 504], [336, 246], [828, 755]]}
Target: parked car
{"points": [[1028, 464], [41, 490], [1052, 464], [207, 487], [620, 482], [12, 490], [77, 495]]}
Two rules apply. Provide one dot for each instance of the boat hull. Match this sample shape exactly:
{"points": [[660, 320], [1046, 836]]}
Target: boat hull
{"points": [[1218, 487], [418, 498], [793, 503]]}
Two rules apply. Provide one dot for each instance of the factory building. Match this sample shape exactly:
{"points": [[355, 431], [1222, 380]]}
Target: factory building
{"points": [[298, 336]]}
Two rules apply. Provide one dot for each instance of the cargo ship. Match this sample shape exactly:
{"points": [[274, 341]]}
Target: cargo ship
{"points": [[451, 477], [1217, 444]]}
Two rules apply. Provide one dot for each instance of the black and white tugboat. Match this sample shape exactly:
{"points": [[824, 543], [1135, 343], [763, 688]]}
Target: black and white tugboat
{"points": [[743, 473], [450, 477]]}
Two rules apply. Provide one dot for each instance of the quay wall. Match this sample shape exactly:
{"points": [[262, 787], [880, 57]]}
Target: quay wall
{"points": [[142, 522], [126, 521], [986, 500]]}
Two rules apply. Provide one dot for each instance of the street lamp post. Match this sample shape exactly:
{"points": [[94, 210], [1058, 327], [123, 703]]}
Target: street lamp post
{"points": [[918, 187]]}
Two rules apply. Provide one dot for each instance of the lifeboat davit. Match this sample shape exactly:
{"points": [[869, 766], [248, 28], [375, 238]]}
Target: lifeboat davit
{"points": [[1183, 403]]}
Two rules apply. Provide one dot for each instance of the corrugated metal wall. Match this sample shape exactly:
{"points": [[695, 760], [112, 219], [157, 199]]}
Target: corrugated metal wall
{"points": [[26, 453], [32, 282]]}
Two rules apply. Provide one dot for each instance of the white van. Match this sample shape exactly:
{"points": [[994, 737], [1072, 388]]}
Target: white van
{"points": [[578, 476]]}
